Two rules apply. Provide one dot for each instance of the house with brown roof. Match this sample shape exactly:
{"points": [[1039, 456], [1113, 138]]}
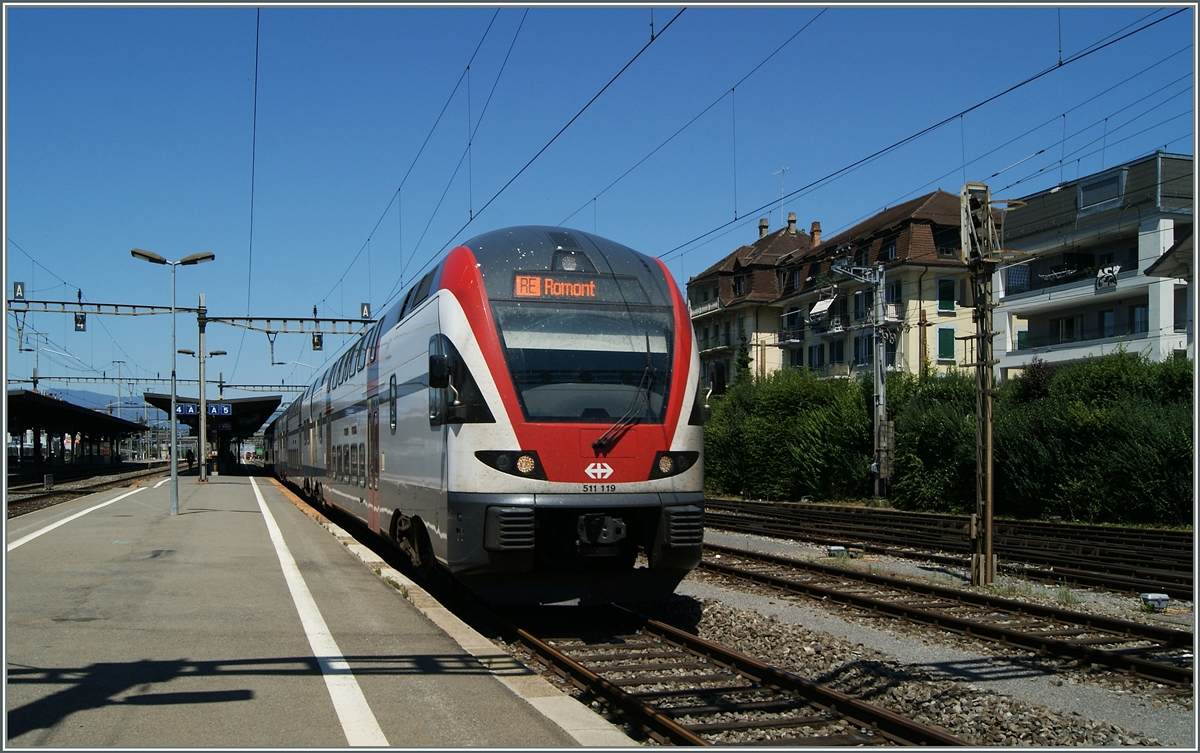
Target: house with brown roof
{"points": [[797, 311], [735, 299]]}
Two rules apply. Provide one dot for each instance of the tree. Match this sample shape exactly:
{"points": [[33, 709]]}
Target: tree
{"points": [[743, 359]]}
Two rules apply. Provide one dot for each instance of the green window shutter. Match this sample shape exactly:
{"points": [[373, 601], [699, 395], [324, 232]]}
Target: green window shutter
{"points": [[945, 344], [945, 294]]}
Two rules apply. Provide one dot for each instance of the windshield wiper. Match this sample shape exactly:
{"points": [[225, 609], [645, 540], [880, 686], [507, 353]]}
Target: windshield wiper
{"points": [[636, 406]]}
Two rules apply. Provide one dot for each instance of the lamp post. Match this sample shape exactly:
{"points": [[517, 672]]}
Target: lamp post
{"points": [[202, 448], [153, 258]]}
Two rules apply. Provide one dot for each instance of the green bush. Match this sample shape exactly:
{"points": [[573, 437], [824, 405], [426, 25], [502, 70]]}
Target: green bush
{"points": [[788, 436], [934, 466], [1108, 440]]}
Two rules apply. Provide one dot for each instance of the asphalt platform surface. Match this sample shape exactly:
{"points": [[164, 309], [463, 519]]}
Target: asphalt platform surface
{"points": [[242, 622]]}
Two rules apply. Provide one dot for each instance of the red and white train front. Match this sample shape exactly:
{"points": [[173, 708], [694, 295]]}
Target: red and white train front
{"points": [[563, 382]]}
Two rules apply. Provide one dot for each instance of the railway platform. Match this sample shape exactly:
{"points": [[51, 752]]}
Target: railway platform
{"points": [[241, 622]]}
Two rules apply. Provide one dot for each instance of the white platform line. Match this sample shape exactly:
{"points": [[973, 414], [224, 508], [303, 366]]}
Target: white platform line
{"points": [[68, 519], [358, 722]]}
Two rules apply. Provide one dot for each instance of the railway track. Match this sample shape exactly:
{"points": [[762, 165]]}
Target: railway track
{"points": [[670, 685], [683, 690], [1118, 559], [1154, 653], [581, 635], [26, 498]]}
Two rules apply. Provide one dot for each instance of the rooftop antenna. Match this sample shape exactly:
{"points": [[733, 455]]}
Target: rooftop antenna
{"points": [[782, 189]]}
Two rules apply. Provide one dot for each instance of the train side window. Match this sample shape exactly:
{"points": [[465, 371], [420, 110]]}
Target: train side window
{"points": [[392, 403], [423, 287], [372, 341], [407, 302], [362, 464], [363, 347], [353, 462]]}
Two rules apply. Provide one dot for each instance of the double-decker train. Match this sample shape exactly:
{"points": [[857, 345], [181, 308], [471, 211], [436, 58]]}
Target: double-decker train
{"points": [[527, 417]]}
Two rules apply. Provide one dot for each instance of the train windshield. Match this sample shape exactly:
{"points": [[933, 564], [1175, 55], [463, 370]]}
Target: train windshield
{"points": [[586, 324], [597, 364]]}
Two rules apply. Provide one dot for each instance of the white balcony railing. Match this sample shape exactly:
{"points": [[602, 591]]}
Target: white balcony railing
{"points": [[699, 309]]}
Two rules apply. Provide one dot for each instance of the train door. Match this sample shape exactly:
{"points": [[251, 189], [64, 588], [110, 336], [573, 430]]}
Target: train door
{"points": [[373, 464], [330, 477]]}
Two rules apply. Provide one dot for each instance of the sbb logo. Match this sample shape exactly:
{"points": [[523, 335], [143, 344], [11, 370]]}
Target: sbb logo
{"points": [[598, 470]]}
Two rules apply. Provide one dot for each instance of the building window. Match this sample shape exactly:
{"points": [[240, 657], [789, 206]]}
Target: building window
{"points": [[888, 252], [796, 357], [890, 348], [864, 351], [837, 350], [1181, 305], [793, 325], [946, 294], [892, 293], [1106, 323], [864, 304], [1104, 193], [816, 356], [1139, 319], [739, 285], [945, 351], [1067, 329]]}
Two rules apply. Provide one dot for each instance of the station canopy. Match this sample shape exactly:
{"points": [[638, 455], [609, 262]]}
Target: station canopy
{"points": [[33, 410], [231, 418]]}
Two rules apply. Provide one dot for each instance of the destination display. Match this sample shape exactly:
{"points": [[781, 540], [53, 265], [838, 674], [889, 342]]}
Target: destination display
{"points": [[584, 288]]}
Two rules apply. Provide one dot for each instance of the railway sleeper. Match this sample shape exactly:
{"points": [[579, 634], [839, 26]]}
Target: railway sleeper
{"points": [[732, 726], [776, 706], [666, 679]]}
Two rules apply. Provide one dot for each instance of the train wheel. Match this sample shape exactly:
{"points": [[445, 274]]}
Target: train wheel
{"points": [[414, 541]]}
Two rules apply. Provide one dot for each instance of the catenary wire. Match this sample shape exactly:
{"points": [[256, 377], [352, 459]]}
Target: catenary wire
{"points": [[667, 255]]}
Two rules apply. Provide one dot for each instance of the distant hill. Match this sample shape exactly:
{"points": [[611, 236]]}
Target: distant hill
{"points": [[131, 407]]}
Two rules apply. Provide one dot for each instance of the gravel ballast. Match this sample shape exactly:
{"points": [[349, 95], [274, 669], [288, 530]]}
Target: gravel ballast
{"points": [[981, 693]]}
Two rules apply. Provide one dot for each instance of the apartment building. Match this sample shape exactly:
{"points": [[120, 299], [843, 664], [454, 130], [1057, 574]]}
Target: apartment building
{"points": [[735, 299], [1104, 267], [794, 309]]}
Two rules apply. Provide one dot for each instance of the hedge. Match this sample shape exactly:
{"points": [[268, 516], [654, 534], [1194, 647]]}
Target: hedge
{"points": [[1104, 441]]}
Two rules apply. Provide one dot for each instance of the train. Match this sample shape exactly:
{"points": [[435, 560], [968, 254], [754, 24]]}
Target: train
{"points": [[527, 418]]}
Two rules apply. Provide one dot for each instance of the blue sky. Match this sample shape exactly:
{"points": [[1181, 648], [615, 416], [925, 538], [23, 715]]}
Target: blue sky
{"points": [[139, 127]]}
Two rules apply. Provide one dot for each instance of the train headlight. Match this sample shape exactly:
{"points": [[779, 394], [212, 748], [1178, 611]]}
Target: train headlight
{"points": [[523, 463], [672, 463]]}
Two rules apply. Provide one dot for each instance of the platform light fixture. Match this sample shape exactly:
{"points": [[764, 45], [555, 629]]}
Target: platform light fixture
{"points": [[187, 261], [202, 444]]}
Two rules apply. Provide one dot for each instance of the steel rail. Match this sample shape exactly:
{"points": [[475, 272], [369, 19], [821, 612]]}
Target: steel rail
{"points": [[819, 706], [1078, 651], [27, 503], [1173, 586], [1092, 570], [1124, 537]]}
